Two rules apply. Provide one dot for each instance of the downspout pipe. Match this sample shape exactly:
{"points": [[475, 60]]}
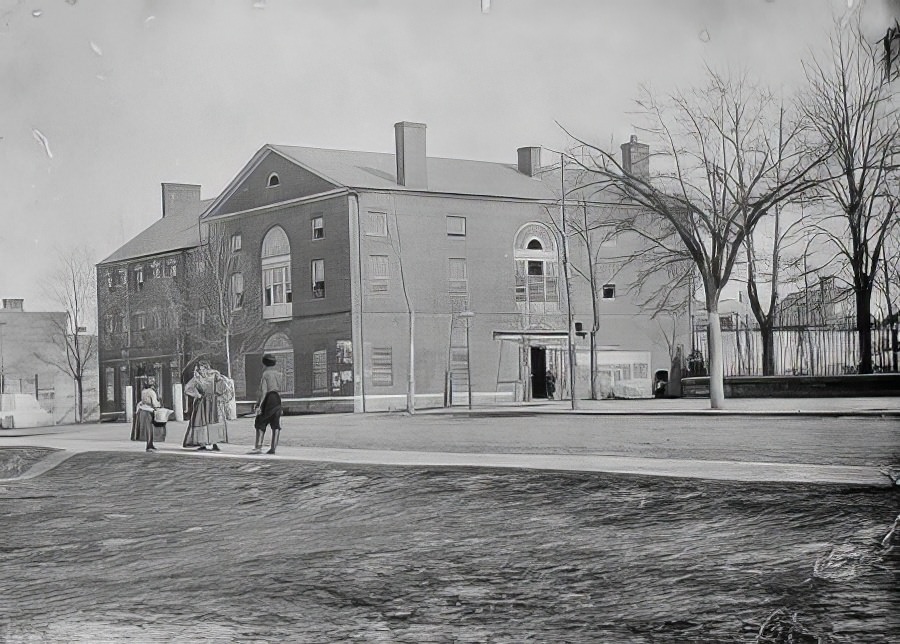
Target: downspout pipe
{"points": [[359, 257]]}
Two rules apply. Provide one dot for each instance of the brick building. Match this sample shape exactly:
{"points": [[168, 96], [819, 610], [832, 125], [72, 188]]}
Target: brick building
{"points": [[342, 253], [147, 325]]}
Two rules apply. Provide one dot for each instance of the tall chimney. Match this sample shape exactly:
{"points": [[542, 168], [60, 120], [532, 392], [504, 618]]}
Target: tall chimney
{"points": [[410, 141], [529, 161], [636, 158], [180, 199]]}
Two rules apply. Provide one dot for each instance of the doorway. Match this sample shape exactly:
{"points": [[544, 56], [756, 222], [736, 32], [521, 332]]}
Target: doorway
{"points": [[538, 372]]}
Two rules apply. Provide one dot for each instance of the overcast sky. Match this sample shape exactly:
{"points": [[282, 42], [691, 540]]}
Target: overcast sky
{"points": [[103, 100]]}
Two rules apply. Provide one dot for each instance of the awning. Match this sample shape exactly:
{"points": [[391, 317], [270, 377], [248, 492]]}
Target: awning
{"points": [[547, 336]]}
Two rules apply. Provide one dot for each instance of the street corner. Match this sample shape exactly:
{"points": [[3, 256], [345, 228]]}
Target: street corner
{"points": [[23, 462]]}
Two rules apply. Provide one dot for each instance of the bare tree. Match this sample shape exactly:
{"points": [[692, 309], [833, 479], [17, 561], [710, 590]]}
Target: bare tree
{"points": [[732, 156], [72, 285], [229, 303], [853, 107]]}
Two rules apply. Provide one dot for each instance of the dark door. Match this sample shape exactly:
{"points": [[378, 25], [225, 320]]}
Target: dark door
{"points": [[538, 372]]}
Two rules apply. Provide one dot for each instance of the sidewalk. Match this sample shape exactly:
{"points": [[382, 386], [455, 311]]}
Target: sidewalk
{"points": [[810, 444], [875, 406]]}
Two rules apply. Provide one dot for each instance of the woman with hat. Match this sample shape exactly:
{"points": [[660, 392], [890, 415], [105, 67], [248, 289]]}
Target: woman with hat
{"points": [[268, 405], [143, 428]]}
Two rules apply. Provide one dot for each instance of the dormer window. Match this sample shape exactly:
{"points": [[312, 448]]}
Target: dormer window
{"points": [[273, 181]]}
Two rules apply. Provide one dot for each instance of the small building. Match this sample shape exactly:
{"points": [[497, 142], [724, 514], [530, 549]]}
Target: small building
{"points": [[33, 364]]}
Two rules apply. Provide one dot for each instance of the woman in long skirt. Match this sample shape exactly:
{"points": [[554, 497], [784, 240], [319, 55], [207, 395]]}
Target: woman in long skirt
{"points": [[209, 391], [143, 428]]}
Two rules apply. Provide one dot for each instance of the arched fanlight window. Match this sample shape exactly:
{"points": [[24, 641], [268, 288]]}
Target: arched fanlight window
{"points": [[537, 269], [276, 274], [273, 180]]}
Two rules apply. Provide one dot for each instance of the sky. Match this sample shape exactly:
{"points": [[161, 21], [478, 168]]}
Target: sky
{"points": [[101, 101]]}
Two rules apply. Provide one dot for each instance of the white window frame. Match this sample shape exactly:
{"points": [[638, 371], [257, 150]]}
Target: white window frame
{"points": [[457, 276], [320, 220], [608, 285], [237, 291], [379, 274], [317, 273], [273, 175], [320, 370], [376, 223], [456, 226], [236, 242], [277, 290]]}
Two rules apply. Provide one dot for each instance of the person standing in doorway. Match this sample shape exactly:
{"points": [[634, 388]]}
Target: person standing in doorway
{"points": [[268, 405], [551, 384]]}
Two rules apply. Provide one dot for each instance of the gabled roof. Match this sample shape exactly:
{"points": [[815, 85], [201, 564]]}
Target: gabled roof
{"points": [[378, 171], [167, 234]]}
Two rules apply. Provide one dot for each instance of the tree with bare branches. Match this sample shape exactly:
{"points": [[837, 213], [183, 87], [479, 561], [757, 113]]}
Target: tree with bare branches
{"points": [[228, 302], [72, 285], [853, 107], [730, 154]]}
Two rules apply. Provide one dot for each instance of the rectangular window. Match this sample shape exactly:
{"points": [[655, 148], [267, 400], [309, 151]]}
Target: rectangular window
{"points": [[120, 323], [458, 282], [317, 268], [109, 323], [318, 228], [456, 226], [171, 268], [379, 273], [277, 285], [109, 375], [156, 269], [376, 224], [237, 291], [320, 370], [382, 367], [139, 322], [139, 276], [201, 317], [109, 278], [121, 277], [609, 291], [235, 242], [344, 352]]}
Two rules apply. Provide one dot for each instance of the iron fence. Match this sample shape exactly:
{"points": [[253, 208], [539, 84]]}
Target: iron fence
{"points": [[801, 350]]}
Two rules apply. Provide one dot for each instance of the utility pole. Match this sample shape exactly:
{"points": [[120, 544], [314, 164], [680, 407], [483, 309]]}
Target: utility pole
{"points": [[565, 233]]}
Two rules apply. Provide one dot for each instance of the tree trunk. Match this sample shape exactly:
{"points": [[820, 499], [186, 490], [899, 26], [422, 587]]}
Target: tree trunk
{"points": [[593, 365], [767, 333], [79, 400], [716, 365], [864, 328]]}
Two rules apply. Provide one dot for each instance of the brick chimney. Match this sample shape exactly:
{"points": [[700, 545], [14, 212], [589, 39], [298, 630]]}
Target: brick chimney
{"points": [[529, 161], [636, 158], [410, 141], [180, 199]]}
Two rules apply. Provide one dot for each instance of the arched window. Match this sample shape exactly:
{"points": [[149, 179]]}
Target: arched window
{"points": [[281, 347], [276, 274], [537, 269], [273, 181]]}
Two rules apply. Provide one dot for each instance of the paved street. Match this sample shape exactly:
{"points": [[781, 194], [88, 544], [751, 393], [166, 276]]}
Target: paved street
{"points": [[831, 440], [503, 525]]}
